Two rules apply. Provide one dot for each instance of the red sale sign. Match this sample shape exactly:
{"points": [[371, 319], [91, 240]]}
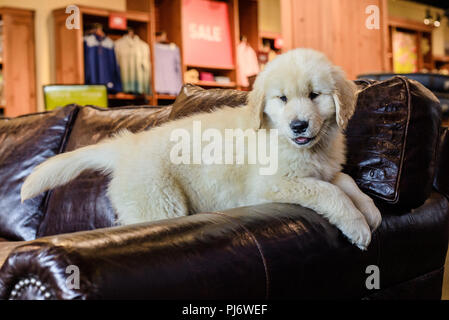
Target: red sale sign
{"points": [[206, 34], [117, 21], [278, 43]]}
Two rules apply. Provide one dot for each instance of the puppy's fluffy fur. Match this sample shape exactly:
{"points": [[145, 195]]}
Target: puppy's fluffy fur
{"points": [[298, 85]]}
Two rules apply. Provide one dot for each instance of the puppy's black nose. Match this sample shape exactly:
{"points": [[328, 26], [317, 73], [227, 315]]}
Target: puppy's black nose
{"points": [[299, 126]]}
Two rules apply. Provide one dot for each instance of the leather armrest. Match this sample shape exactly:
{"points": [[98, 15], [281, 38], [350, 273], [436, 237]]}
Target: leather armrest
{"points": [[252, 252], [265, 251]]}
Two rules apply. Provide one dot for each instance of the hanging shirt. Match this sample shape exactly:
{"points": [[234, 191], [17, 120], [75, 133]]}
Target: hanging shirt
{"points": [[248, 64], [167, 69], [133, 55], [100, 64]]}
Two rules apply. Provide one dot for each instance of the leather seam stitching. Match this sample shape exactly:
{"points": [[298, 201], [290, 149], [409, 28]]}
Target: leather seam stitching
{"points": [[409, 109], [395, 200], [61, 147], [259, 248]]}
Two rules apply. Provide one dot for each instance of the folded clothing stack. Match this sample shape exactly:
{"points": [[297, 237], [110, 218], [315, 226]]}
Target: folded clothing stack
{"points": [[206, 76], [221, 79]]}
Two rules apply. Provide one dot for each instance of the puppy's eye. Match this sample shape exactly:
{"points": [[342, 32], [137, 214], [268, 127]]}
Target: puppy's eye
{"points": [[283, 98], [313, 95]]}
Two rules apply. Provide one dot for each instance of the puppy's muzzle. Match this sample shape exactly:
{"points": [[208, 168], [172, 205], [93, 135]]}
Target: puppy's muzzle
{"points": [[299, 126]]}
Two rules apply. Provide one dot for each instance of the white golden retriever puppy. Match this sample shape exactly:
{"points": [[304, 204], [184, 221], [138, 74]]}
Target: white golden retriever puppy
{"points": [[300, 93]]}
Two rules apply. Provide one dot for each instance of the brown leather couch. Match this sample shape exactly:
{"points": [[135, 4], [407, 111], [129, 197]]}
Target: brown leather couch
{"points": [[396, 152]]}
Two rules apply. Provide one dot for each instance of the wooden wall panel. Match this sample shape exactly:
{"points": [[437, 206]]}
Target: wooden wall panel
{"points": [[337, 28], [68, 51], [138, 5], [248, 22], [19, 61]]}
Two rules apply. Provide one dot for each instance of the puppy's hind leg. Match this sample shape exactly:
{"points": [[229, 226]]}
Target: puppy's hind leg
{"points": [[151, 200]]}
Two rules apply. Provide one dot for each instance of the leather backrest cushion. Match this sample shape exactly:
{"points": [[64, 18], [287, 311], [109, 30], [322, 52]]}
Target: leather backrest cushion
{"points": [[441, 182], [25, 142], [392, 140], [432, 81], [82, 204], [193, 99]]}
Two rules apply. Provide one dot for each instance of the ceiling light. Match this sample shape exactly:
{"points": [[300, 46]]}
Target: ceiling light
{"points": [[428, 19], [437, 21]]}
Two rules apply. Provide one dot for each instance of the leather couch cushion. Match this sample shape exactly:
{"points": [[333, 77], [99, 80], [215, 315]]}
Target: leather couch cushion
{"points": [[24, 143], [82, 204], [392, 140], [193, 99]]}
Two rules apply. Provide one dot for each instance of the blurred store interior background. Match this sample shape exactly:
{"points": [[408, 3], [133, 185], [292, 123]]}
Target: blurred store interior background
{"points": [[143, 51]]}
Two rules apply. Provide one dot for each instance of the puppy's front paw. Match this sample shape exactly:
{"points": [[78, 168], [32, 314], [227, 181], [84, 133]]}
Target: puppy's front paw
{"points": [[370, 211], [357, 231]]}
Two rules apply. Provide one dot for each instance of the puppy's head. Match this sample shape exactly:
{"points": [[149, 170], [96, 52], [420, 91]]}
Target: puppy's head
{"points": [[303, 95]]}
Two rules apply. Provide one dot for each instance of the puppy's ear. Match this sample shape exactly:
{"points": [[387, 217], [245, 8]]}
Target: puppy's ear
{"points": [[256, 102], [344, 96]]}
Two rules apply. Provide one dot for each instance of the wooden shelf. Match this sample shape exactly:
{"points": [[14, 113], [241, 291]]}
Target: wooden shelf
{"points": [[214, 84], [100, 12], [409, 24], [165, 97], [191, 66], [270, 35], [127, 96], [443, 59]]}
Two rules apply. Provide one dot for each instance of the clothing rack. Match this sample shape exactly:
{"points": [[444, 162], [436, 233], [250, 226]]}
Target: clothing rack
{"points": [[69, 45]]}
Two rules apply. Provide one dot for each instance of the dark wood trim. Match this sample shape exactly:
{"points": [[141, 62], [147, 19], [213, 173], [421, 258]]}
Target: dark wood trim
{"points": [[409, 24]]}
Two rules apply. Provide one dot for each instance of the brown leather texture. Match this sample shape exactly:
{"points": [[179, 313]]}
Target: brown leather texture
{"points": [[82, 204], [193, 99], [424, 287], [392, 141], [441, 182], [275, 251], [6, 247], [25, 142]]}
